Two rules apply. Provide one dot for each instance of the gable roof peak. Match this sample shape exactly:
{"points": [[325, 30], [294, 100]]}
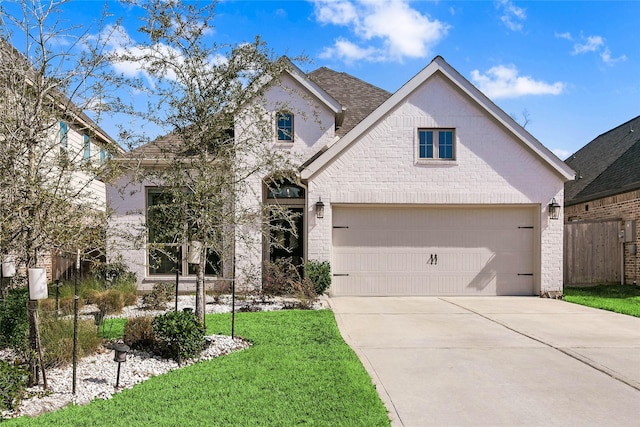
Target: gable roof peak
{"points": [[439, 65]]}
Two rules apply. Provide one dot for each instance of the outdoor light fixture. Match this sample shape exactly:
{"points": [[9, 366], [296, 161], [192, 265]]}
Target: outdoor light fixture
{"points": [[554, 209], [193, 254], [8, 266], [120, 355], [319, 208]]}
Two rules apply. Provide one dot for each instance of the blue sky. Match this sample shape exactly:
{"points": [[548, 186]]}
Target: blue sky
{"points": [[573, 66]]}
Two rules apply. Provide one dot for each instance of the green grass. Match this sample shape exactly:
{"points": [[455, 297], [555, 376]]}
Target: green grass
{"points": [[623, 299], [299, 371]]}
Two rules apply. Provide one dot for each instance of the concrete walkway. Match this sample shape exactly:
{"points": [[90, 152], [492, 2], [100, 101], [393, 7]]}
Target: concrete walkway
{"points": [[496, 361]]}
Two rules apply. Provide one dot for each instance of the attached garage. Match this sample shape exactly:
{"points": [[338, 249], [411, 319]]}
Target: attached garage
{"points": [[437, 192], [415, 250]]}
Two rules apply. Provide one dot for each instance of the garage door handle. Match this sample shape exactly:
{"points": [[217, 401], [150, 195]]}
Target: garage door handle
{"points": [[340, 274], [525, 274]]}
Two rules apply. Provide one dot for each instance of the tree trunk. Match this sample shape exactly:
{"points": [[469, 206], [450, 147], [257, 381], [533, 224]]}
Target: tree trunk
{"points": [[200, 300]]}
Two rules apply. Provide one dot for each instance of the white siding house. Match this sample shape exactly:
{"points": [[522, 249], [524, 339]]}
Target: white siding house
{"points": [[432, 190]]}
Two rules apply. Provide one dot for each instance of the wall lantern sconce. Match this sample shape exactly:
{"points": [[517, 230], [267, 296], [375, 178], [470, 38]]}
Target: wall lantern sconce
{"points": [[120, 355], [319, 208], [554, 209]]}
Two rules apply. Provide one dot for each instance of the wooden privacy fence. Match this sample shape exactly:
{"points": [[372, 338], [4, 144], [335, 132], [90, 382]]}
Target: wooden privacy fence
{"points": [[592, 252]]}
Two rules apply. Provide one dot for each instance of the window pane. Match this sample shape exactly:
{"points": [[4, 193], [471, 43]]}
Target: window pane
{"points": [[64, 135], [159, 218], [285, 127], [425, 144], [160, 262], [213, 266], [445, 144], [87, 148]]}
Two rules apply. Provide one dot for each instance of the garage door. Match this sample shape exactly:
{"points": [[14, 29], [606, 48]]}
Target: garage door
{"points": [[433, 251]]}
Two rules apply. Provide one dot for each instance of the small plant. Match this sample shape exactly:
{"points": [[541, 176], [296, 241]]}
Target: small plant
{"points": [[13, 384], [180, 336], [138, 333], [319, 273], [159, 296]]}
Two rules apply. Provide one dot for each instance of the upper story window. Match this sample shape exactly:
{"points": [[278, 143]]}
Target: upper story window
{"points": [[103, 155], [64, 137], [284, 126], [87, 149], [436, 144]]}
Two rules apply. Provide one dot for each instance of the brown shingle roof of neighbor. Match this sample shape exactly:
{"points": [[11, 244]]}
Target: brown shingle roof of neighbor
{"points": [[610, 164], [359, 98], [158, 148]]}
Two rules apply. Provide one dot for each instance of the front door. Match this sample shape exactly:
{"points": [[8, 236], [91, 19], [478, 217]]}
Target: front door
{"points": [[287, 238]]}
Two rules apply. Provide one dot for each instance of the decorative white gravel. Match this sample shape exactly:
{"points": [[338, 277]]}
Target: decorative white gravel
{"points": [[96, 374]]}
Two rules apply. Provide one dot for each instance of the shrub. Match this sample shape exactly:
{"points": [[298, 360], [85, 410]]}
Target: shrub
{"points": [[282, 277], [114, 273], [159, 296], [129, 292], [278, 277], [14, 322], [13, 383], [319, 273], [56, 338], [110, 301], [66, 305], [138, 333], [180, 336], [304, 292]]}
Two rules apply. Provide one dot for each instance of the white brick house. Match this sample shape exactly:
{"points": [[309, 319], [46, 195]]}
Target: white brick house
{"points": [[432, 190]]}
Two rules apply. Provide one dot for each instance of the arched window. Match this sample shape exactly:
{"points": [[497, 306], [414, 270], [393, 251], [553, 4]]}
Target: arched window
{"points": [[285, 126]]}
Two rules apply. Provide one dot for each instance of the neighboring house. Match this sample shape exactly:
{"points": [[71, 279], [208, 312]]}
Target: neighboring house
{"points": [[607, 190], [432, 190], [72, 147]]}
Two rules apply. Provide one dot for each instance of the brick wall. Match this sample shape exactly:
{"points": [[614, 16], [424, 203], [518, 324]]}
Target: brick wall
{"points": [[625, 206]]}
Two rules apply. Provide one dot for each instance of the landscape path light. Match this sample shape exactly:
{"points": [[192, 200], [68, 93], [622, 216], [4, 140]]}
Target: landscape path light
{"points": [[120, 355]]}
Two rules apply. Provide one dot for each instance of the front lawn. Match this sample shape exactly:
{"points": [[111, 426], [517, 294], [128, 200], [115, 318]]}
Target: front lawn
{"points": [[298, 371], [623, 299]]}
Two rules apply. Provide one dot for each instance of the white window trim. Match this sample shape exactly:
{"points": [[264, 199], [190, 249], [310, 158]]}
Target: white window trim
{"points": [[435, 159]]}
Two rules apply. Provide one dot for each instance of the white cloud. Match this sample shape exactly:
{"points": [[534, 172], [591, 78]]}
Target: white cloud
{"points": [[350, 52], [503, 81], [121, 45], [391, 29], [596, 44], [593, 43], [606, 57], [512, 15], [566, 36], [338, 12], [561, 153]]}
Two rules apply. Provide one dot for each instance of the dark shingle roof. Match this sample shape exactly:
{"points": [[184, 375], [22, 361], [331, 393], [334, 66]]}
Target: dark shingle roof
{"points": [[609, 164], [358, 97]]}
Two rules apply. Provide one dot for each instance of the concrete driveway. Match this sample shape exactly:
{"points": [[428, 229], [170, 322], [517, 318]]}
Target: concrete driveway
{"points": [[496, 361]]}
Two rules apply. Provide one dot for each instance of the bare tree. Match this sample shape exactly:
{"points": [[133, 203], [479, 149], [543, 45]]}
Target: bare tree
{"points": [[47, 180], [208, 99], [526, 118]]}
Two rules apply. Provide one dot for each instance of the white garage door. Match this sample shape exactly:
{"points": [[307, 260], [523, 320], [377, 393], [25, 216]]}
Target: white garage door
{"points": [[433, 251]]}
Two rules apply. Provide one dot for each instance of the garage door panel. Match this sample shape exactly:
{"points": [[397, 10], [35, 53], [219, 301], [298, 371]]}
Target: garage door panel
{"points": [[392, 251]]}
